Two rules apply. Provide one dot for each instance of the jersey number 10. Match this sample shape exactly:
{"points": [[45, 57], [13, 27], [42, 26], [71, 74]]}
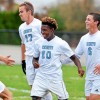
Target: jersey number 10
{"points": [[46, 54]]}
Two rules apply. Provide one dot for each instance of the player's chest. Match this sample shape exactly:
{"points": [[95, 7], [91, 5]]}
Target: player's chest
{"points": [[91, 45], [49, 49]]}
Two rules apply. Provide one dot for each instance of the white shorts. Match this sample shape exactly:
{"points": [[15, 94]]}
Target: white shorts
{"points": [[2, 87], [42, 86], [92, 87], [30, 71]]}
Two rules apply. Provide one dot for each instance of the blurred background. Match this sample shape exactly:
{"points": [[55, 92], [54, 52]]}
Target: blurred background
{"points": [[70, 15]]}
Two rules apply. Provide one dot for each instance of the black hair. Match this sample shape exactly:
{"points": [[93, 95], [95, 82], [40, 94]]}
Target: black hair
{"points": [[96, 17]]}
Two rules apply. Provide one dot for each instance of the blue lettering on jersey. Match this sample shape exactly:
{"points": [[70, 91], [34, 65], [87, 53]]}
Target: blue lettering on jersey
{"points": [[89, 51], [90, 44], [27, 31], [47, 47], [28, 35], [46, 54]]}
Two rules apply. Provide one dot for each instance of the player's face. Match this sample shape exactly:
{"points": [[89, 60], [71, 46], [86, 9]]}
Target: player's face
{"points": [[90, 23], [47, 32], [24, 15]]}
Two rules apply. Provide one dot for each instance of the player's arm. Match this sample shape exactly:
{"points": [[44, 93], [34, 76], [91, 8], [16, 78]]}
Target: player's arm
{"points": [[23, 51], [78, 64], [97, 69], [66, 60], [35, 62], [7, 60], [23, 58]]}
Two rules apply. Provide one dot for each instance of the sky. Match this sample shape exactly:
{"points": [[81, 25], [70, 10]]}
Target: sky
{"points": [[38, 4], [97, 2]]}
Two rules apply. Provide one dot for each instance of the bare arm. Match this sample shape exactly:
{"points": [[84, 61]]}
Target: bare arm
{"points": [[23, 51], [78, 64], [7, 60], [35, 62], [97, 69], [23, 58]]}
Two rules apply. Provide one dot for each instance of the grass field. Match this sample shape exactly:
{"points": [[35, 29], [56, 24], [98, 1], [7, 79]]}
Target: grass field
{"points": [[15, 80]]}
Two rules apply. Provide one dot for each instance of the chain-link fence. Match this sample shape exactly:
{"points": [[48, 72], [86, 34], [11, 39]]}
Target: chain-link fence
{"points": [[13, 48], [12, 37], [9, 36], [71, 38]]}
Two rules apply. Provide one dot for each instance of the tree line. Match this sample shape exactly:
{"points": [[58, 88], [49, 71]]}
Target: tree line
{"points": [[69, 15]]}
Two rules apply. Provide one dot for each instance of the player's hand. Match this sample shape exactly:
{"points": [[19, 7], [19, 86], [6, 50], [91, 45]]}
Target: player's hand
{"points": [[97, 69], [7, 60], [24, 66], [36, 65], [81, 72]]}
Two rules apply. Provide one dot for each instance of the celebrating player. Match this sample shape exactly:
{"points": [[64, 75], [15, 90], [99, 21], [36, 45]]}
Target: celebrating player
{"points": [[90, 45], [46, 57], [29, 31]]}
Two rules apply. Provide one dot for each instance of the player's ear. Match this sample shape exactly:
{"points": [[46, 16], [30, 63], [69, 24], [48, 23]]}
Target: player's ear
{"points": [[53, 29], [29, 11]]}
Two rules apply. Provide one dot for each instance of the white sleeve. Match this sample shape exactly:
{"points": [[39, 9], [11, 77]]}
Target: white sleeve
{"points": [[79, 49], [65, 49], [68, 60], [65, 60], [78, 53], [36, 52]]}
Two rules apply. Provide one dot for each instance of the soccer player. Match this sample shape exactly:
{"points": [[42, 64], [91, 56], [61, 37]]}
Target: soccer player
{"points": [[90, 45], [5, 94], [46, 57], [29, 31]]}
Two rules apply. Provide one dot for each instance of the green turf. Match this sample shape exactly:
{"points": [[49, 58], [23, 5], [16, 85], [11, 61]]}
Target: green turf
{"points": [[15, 80]]}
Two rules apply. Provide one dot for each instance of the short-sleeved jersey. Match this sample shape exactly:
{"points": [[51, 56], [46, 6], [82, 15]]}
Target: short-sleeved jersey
{"points": [[90, 46], [29, 34], [49, 53]]}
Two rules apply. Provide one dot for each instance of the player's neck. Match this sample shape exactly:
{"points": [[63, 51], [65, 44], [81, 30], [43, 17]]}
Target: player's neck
{"points": [[93, 31], [30, 19], [51, 38]]}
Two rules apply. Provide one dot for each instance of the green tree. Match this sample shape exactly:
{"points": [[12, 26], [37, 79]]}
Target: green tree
{"points": [[55, 14], [73, 14], [9, 21]]}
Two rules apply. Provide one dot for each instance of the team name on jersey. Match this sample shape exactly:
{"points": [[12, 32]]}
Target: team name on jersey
{"points": [[91, 43], [47, 47], [27, 31]]}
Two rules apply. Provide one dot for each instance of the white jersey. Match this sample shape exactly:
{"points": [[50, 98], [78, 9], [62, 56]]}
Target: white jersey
{"points": [[2, 87], [29, 34], [90, 46], [49, 53]]}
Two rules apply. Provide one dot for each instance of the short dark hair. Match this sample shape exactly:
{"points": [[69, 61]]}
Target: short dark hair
{"points": [[96, 17], [28, 6], [50, 22]]}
